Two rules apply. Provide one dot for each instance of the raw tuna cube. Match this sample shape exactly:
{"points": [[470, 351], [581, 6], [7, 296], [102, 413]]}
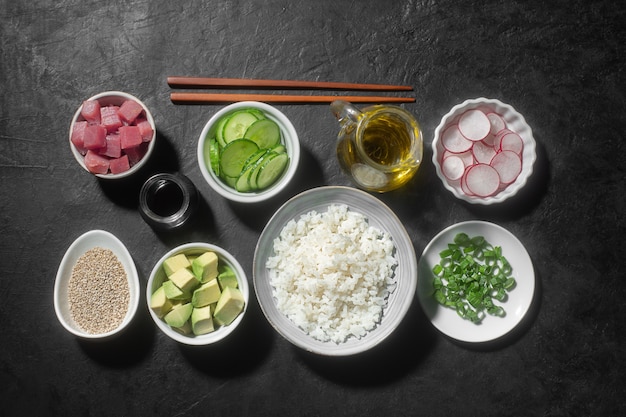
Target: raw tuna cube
{"points": [[118, 165], [110, 119], [135, 154], [94, 137], [96, 164], [146, 129], [130, 136], [129, 110], [91, 111], [78, 136], [113, 147]]}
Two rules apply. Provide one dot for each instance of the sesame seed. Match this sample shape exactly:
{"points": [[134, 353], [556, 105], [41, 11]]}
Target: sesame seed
{"points": [[99, 295]]}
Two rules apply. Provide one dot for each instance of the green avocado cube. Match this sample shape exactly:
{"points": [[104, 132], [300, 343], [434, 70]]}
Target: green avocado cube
{"points": [[174, 263], [205, 266], [179, 315], [185, 280], [207, 293], [159, 303], [227, 277], [172, 292], [229, 306], [202, 320], [185, 329]]}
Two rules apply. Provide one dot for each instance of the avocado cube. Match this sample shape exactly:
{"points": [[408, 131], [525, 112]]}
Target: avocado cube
{"points": [[185, 280], [159, 303], [185, 329], [179, 315], [172, 292], [174, 263], [202, 320], [206, 294], [205, 266], [227, 278], [229, 306]]}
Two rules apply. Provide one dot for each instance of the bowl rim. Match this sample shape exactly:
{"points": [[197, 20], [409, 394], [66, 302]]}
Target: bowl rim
{"points": [[293, 150], [81, 159], [89, 240], [529, 155], [220, 333]]}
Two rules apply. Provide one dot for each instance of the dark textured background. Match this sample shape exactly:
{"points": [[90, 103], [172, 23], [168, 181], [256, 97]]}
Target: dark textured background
{"points": [[560, 63]]}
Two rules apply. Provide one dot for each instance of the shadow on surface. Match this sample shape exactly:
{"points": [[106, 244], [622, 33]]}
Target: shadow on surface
{"points": [[256, 215], [240, 352], [127, 348], [396, 357]]}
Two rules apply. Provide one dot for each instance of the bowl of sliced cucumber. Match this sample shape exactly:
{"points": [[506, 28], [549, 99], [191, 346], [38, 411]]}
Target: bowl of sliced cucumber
{"points": [[248, 152]]}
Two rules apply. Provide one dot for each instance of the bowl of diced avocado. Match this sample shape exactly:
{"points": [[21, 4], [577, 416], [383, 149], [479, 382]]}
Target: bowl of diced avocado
{"points": [[248, 152], [197, 293]]}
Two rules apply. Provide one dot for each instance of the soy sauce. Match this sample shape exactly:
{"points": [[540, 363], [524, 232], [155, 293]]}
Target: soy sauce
{"points": [[166, 198], [167, 201]]}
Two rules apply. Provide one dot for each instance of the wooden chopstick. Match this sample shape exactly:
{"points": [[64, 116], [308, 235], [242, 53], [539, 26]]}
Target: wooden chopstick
{"points": [[204, 98], [205, 82]]}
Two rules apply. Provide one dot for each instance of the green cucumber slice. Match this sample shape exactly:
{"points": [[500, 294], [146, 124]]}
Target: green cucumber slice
{"points": [[234, 156], [218, 131], [243, 182], [212, 155], [236, 125], [258, 155], [257, 113], [271, 170], [264, 133], [280, 148]]}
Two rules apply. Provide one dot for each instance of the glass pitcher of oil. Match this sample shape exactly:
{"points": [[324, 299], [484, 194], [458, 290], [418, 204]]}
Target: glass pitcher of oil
{"points": [[379, 147]]}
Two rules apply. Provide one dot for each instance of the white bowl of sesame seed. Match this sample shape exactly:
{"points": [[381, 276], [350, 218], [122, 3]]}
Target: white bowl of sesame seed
{"points": [[96, 291]]}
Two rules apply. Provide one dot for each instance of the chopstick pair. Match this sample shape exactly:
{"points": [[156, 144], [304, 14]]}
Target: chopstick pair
{"points": [[201, 82]]}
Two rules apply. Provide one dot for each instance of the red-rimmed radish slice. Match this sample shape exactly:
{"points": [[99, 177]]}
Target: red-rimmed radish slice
{"points": [[453, 141], [508, 164], [482, 180], [497, 122], [453, 167], [498, 138], [474, 125], [463, 182], [483, 153], [489, 139], [512, 142]]}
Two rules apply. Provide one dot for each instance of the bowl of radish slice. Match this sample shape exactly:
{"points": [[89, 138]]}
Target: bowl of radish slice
{"points": [[483, 151]]}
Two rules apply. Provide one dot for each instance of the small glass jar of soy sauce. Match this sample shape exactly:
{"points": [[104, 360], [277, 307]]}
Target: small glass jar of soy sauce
{"points": [[167, 201]]}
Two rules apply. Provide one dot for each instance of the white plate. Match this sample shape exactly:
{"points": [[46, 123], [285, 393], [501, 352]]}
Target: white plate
{"points": [[446, 320]]}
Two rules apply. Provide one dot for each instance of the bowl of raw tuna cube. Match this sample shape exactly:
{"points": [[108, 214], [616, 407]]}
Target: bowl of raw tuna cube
{"points": [[483, 151], [112, 134]]}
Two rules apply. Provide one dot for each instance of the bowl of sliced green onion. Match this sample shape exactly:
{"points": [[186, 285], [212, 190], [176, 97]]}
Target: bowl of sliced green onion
{"points": [[475, 281], [248, 152]]}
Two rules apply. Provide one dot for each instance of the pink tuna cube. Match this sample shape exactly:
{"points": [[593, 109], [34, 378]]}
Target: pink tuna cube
{"points": [[146, 129], [94, 137], [78, 136], [129, 110], [135, 154], [110, 119], [118, 165], [113, 147], [91, 111], [130, 136], [96, 164]]}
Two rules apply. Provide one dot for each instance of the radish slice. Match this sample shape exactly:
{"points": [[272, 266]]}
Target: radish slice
{"points": [[508, 164], [512, 142], [498, 138], [474, 125], [453, 167], [483, 153], [497, 122], [454, 141], [489, 139], [482, 180]]}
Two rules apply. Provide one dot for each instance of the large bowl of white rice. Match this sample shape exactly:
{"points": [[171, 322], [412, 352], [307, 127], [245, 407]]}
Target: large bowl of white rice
{"points": [[335, 271]]}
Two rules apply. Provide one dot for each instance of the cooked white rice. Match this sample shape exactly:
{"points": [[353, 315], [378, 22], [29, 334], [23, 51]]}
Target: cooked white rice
{"points": [[332, 273]]}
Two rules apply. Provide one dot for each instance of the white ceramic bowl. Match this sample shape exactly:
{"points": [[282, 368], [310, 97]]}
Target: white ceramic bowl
{"points": [[514, 121], [379, 216], [115, 98], [157, 277], [289, 139], [90, 240]]}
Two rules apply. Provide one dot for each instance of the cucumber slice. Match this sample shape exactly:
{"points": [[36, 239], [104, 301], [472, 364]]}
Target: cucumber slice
{"points": [[218, 131], [212, 155], [257, 113], [234, 156], [236, 125], [243, 182], [264, 133], [280, 148], [254, 158], [271, 170]]}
